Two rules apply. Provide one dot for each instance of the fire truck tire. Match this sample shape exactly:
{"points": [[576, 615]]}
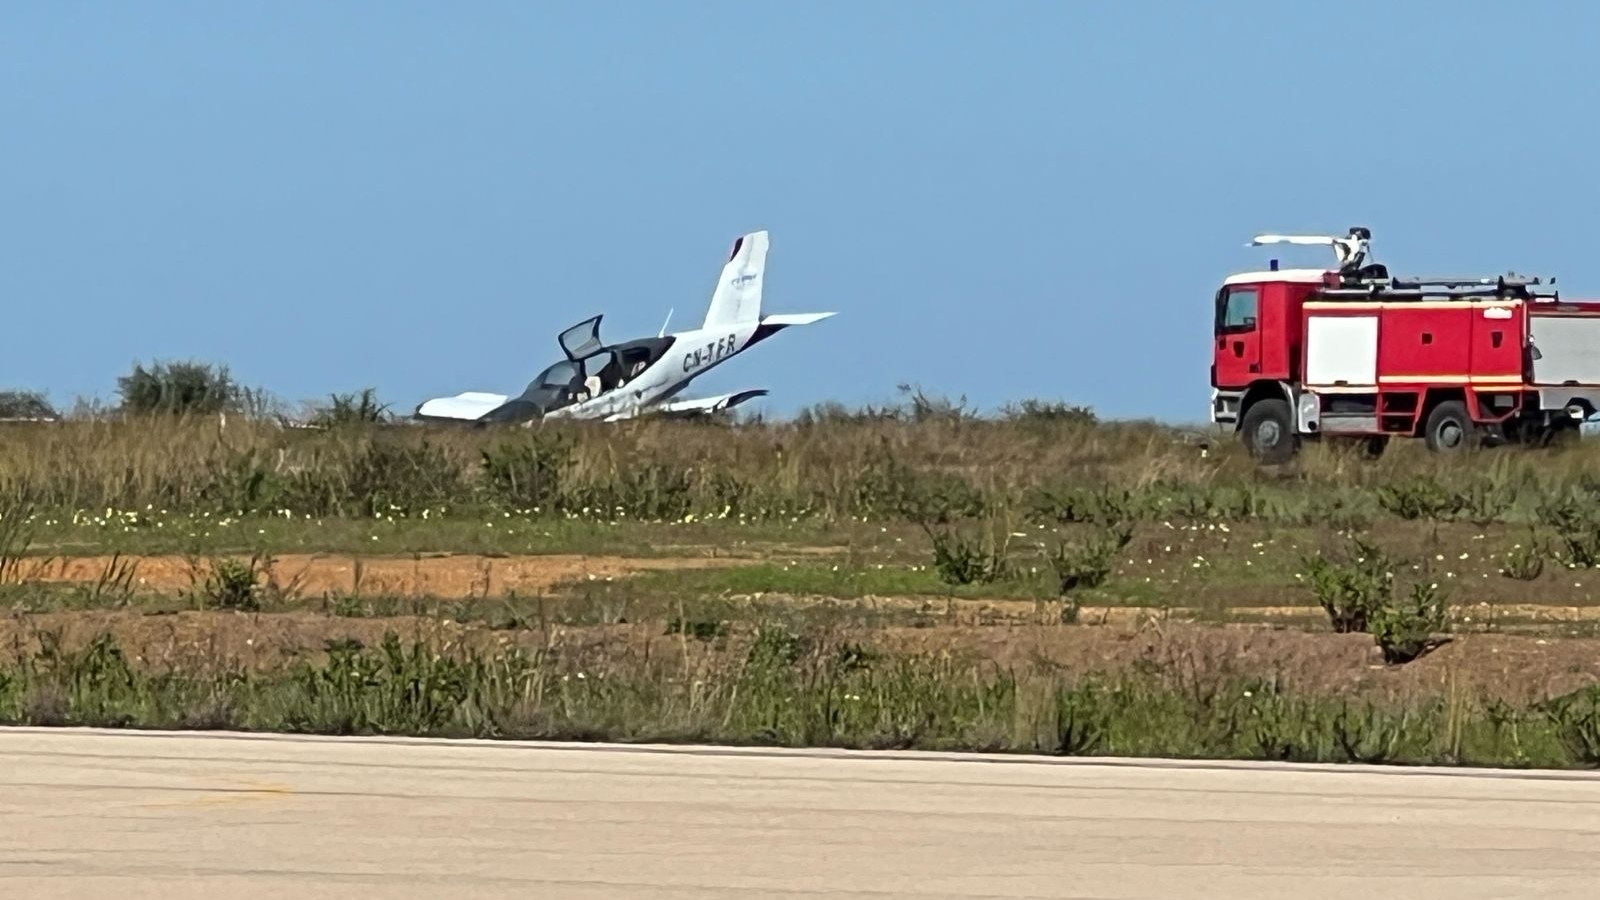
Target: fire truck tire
{"points": [[1268, 431], [1449, 429]]}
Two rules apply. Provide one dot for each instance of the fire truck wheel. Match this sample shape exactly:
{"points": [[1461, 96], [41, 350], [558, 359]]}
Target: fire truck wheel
{"points": [[1449, 429], [1268, 431]]}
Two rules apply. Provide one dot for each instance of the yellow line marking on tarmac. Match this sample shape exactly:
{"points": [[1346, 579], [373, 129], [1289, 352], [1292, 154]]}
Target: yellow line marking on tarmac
{"points": [[231, 792]]}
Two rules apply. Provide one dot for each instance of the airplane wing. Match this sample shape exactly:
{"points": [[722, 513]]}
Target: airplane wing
{"points": [[468, 407], [699, 406], [709, 404]]}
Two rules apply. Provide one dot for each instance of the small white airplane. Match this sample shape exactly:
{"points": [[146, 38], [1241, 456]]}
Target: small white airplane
{"points": [[620, 381]]}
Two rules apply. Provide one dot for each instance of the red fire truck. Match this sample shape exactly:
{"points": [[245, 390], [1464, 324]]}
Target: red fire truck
{"points": [[1355, 353]]}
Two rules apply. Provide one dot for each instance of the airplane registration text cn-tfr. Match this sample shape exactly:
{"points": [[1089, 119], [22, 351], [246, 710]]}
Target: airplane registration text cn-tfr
{"points": [[642, 376]]}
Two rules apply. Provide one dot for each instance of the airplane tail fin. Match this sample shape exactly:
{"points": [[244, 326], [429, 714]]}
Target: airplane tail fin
{"points": [[737, 298]]}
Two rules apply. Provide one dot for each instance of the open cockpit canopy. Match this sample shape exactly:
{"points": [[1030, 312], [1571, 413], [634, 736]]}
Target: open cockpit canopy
{"points": [[582, 339]]}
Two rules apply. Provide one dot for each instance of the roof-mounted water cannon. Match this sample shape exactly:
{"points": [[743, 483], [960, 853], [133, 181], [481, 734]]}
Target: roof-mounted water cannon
{"points": [[1356, 279], [1350, 251]]}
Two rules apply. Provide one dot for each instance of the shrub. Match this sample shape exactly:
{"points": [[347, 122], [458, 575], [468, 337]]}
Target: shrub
{"points": [[1404, 628], [1422, 498], [1351, 591], [26, 405], [1086, 564], [180, 387], [351, 409], [1359, 595]]}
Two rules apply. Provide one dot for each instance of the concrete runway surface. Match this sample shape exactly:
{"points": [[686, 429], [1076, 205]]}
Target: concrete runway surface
{"points": [[198, 816]]}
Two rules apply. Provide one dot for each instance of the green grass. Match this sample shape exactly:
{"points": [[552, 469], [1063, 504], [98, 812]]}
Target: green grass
{"points": [[492, 534], [788, 688], [825, 579]]}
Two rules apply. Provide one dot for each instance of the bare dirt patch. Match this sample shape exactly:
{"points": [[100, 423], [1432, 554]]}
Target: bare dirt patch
{"points": [[202, 642], [1025, 611], [1511, 667], [319, 574]]}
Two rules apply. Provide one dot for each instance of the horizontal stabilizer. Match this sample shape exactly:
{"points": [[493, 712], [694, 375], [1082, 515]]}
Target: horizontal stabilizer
{"points": [[782, 319]]}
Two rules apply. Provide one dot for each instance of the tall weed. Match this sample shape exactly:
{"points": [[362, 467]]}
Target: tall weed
{"points": [[928, 461], [778, 686]]}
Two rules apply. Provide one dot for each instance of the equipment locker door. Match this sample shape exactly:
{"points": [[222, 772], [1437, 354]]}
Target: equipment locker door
{"points": [[1498, 342], [1238, 333]]}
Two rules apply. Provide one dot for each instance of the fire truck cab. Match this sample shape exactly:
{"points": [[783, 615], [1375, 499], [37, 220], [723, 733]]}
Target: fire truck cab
{"points": [[1352, 352]]}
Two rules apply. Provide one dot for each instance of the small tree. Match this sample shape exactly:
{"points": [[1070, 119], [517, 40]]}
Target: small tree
{"points": [[179, 387], [25, 405]]}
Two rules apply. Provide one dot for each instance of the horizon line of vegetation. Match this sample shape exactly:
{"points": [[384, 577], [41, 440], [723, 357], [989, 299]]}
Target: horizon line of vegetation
{"points": [[198, 388]]}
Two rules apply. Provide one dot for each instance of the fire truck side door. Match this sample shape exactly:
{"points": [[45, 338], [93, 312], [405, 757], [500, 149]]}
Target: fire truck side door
{"points": [[1238, 333]]}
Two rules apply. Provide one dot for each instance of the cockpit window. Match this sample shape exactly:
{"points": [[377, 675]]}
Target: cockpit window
{"points": [[558, 375]]}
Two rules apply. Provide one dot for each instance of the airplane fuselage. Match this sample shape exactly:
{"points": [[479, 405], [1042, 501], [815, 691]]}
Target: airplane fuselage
{"points": [[692, 354]]}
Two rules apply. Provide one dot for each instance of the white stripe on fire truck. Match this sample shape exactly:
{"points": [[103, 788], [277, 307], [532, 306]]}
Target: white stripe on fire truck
{"points": [[1449, 379], [1419, 380], [1319, 306]]}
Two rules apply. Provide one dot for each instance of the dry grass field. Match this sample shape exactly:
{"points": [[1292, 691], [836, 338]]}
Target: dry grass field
{"points": [[905, 577]]}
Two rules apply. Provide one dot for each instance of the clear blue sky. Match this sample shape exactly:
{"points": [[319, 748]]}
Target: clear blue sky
{"points": [[1006, 200]]}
